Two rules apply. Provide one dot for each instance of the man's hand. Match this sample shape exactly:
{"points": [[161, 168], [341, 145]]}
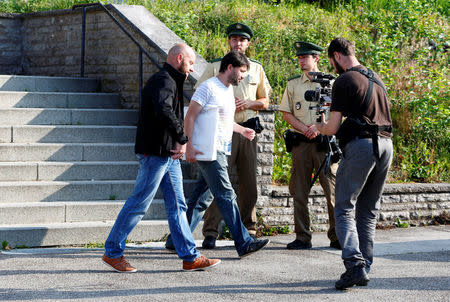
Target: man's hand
{"points": [[241, 105], [331, 126], [311, 131], [245, 132], [248, 133], [179, 151], [191, 154]]}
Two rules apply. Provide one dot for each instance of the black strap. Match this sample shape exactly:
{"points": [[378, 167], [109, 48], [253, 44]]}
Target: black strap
{"points": [[374, 134], [370, 76]]}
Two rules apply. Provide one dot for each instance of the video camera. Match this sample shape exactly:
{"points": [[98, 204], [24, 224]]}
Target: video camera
{"points": [[320, 95]]}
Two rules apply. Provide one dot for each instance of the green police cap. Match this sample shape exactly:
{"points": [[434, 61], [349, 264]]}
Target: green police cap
{"points": [[306, 48], [240, 29]]}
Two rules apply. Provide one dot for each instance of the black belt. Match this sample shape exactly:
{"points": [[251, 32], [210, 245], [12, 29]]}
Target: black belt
{"points": [[374, 137]]}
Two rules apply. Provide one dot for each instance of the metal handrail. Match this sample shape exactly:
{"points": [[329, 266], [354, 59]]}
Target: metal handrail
{"points": [[142, 50]]}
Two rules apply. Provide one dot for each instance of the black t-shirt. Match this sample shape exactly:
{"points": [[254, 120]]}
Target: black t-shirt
{"points": [[348, 94]]}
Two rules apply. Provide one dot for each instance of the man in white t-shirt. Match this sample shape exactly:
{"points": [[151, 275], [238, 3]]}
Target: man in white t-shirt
{"points": [[217, 94]]}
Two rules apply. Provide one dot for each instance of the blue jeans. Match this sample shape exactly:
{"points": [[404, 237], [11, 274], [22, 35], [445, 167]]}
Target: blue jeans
{"points": [[153, 172], [359, 184], [214, 175], [197, 203]]}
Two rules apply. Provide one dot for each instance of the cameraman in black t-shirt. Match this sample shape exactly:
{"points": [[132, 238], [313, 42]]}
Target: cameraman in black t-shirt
{"points": [[360, 96]]}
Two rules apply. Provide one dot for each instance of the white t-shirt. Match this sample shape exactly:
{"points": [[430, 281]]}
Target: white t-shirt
{"points": [[214, 95]]}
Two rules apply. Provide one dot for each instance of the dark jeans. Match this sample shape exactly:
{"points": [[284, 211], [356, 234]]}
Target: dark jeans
{"points": [[359, 184]]}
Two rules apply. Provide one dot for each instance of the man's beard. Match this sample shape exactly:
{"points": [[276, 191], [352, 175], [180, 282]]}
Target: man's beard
{"points": [[338, 67], [183, 68], [234, 80]]}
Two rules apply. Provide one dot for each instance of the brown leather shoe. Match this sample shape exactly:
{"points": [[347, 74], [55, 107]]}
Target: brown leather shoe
{"points": [[200, 263], [119, 264]]}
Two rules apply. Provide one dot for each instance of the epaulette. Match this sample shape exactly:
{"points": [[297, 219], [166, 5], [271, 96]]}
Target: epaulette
{"points": [[216, 60], [255, 61], [294, 77]]}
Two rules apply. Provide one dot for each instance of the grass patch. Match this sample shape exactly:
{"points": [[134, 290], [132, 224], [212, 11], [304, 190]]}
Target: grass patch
{"points": [[94, 245]]}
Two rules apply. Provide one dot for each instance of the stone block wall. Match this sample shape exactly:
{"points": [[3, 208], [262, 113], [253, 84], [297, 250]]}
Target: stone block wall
{"points": [[52, 47], [264, 158], [10, 44], [413, 203], [265, 155], [50, 44]]}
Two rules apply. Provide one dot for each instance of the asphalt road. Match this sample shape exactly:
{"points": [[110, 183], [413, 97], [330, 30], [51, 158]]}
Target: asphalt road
{"points": [[410, 264]]}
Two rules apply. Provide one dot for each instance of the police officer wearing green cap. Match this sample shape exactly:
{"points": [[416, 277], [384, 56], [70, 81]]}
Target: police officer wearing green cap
{"points": [[252, 94], [306, 152]]}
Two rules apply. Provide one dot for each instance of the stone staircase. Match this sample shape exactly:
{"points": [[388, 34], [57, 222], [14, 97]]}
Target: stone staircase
{"points": [[67, 163]]}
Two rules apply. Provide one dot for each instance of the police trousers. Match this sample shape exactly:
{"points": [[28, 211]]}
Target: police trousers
{"points": [[305, 160]]}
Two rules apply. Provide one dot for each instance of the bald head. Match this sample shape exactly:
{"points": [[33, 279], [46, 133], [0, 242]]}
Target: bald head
{"points": [[182, 58]]}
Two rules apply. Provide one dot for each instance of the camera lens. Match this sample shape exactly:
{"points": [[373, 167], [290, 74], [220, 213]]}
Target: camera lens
{"points": [[310, 95]]}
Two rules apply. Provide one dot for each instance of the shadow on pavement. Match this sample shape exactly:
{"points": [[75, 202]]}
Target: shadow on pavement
{"points": [[310, 288]]}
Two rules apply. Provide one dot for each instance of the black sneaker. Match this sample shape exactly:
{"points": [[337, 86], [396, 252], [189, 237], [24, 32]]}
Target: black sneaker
{"points": [[209, 242], [254, 247], [298, 245], [353, 276], [336, 245]]}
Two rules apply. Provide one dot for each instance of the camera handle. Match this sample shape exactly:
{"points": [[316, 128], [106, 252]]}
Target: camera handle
{"points": [[325, 165], [326, 161]]}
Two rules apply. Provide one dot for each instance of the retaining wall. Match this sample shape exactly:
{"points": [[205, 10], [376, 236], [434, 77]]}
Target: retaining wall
{"points": [[10, 44], [51, 46], [416, 204]]}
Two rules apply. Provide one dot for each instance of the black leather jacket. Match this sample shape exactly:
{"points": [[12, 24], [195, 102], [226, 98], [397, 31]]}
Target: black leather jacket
{"points": [[161, 116]]}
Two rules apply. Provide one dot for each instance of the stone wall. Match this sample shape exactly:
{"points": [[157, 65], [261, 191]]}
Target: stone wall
{"points": [[10, 44], [51, 43], [264, 157], [413, 203]]}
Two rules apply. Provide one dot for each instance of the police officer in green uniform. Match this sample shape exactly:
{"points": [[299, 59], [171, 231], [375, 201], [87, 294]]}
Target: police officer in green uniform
{"points": [[307, 154], [251, 95]]}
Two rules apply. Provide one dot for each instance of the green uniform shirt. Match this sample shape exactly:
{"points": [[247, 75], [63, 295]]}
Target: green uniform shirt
{"points": [[294, 102], [253, 86]]}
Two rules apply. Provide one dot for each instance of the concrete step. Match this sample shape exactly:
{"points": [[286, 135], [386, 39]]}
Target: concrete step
{"points": [[67, 134], [63, 171], [32, 191], [43, 83], [15, 99], [66, 152], [80, 211], [48, 116], [55, 234]]}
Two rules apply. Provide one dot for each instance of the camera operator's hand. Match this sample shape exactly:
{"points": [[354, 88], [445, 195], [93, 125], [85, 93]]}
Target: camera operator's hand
{"points": [[311, 132]]}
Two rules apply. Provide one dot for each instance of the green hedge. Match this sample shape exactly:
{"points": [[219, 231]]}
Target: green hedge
{"points": [[391, 37]]}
